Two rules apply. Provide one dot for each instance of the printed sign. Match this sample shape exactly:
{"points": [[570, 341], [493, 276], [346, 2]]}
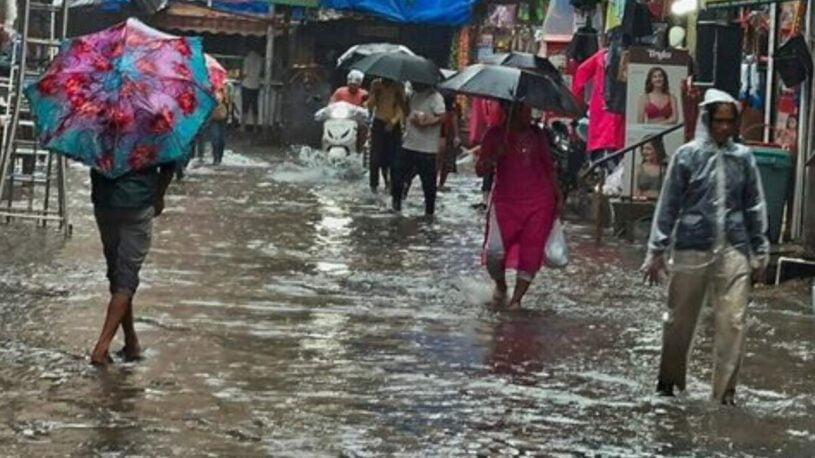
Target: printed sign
{"points": [[654, 104]]}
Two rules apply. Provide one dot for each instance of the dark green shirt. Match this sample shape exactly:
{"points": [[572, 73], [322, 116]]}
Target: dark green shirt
{"points": [[135, 190]]}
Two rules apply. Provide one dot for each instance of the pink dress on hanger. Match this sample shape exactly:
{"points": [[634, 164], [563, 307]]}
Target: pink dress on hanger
{"points": [[523, 199], [606, 129]]}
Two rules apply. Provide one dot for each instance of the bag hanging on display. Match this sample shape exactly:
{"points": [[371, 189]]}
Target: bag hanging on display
{"points": [[557, 251], [793, 61]]}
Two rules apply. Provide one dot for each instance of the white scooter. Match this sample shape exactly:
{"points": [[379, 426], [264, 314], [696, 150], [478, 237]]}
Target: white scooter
{"points": [[341, 122]]}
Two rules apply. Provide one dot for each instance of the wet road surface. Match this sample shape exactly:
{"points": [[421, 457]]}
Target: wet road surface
{"points": [[285, 312]]}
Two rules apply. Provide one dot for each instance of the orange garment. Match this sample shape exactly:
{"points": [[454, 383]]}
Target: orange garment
{"points": [[345, 94]]}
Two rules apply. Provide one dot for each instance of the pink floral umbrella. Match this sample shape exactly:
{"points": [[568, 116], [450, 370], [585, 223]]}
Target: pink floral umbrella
{"points": [[123, 99]]}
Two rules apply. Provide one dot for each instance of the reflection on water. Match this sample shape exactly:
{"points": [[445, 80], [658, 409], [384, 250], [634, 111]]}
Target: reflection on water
{"points": [[286, 312]]}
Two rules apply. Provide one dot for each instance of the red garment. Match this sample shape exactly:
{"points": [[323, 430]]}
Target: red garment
{"points": [[606, 129], [344, 94], [523, 199], [484, 114]]}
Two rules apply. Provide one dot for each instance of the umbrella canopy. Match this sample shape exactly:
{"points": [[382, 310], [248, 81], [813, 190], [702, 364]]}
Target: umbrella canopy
{"points": [[399, 67], [217, 72], [123, 99], [359, 52], [525, 61], [513, 85]]}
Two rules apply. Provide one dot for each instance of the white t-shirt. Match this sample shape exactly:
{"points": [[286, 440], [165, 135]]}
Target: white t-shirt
{"points": [[252, 66], [424, 139]]}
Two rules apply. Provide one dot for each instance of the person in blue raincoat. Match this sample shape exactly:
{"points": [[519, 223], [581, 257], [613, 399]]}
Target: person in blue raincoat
{"points": [[712, 212]]}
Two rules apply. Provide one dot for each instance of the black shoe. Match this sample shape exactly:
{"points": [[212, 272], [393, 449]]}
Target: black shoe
{"points": [[396, 205], [665, 389]]}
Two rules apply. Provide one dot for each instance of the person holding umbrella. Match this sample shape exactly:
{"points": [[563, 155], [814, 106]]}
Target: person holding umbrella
{"points": [[524, 203], [127, 101], [526, 197], [420, 146], [391, 108], [388, 103]]}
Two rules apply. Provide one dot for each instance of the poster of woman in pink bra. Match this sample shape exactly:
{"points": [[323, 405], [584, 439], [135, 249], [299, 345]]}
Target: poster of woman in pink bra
{"points": [[657, 105], [653, 104]]}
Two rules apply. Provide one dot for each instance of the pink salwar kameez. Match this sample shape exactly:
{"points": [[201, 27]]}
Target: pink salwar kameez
{"points": [[523, 200]]}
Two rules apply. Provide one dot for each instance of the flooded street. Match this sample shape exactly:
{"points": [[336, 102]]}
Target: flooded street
{"points": [[284, 311]]}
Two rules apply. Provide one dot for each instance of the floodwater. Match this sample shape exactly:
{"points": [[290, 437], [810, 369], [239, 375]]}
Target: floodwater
{"points": [[285, 312]]}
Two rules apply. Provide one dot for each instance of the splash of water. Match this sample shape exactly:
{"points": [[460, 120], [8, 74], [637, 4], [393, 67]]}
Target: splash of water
{"points": [[308, 165]]}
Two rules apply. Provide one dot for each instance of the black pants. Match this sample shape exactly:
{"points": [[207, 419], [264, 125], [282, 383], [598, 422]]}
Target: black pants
{"points": [[408, 163], [384, 145]]}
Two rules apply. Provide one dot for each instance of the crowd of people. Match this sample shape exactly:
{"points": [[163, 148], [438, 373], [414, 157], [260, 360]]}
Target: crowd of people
{"points": [[711, 211]]}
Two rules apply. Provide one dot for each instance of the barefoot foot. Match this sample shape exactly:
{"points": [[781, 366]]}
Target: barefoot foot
{"points": [[130, 353], [499, 298]]}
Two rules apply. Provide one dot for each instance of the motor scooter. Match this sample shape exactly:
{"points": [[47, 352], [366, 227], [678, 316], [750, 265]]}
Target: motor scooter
{"points": [[341, 123]]}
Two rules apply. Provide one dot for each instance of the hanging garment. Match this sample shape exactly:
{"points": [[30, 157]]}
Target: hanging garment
{"points": [[751, 87], [606, 129], [636, 20], [583, 44], [614, 13], [616, 89]]}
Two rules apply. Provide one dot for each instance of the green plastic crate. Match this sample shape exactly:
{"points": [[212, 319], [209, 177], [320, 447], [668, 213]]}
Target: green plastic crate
{"points": [[775, 165]]}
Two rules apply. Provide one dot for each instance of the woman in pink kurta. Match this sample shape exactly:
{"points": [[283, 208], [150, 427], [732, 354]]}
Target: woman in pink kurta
{"points": [[606, 129], [525, 201]]}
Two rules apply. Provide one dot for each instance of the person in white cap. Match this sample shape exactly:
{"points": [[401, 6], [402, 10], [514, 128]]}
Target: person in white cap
{"points": [[353, 92], [713, 215], [355, 95]]}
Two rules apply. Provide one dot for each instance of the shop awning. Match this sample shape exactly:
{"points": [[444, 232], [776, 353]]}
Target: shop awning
{"points": [[717, 4], [189, 17], [437, 12]]}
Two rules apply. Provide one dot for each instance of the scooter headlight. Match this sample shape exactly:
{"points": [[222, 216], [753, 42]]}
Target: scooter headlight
{"points": [[340, 112]]}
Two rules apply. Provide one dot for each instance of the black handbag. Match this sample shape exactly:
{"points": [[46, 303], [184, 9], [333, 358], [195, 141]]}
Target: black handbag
{"points": [[793, 61]]}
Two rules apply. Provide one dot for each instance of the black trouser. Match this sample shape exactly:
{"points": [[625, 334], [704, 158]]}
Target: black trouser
{"points": [[407, 163], [384, 146]]}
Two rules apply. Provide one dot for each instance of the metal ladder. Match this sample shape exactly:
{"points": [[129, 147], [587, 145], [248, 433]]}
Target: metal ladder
{"points": [[30, 176]]}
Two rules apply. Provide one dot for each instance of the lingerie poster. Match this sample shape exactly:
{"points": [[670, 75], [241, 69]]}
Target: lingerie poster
{"points": [[654, 104]]}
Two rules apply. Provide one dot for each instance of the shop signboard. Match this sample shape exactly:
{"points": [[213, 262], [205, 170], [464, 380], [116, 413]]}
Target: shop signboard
{"points": [[654, 104]]}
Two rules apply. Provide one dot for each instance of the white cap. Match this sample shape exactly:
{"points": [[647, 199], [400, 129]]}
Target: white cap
{"points": [[355, 77]]}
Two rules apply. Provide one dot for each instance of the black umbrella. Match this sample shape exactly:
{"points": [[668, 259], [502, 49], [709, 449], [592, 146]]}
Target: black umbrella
{"points": [[525, 61], [359, 52], [514, 85], [399, 67]]}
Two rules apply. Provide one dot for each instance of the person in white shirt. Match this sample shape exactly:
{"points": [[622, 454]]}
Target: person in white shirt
{"points": [[420, 146], [250, 88]]}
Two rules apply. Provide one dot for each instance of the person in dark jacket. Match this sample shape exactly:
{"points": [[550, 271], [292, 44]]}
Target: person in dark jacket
{"points": [[712, 212], [124, 208]]}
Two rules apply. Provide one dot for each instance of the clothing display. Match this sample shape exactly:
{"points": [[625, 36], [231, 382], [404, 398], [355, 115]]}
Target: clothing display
{"points": [[606, 128]]}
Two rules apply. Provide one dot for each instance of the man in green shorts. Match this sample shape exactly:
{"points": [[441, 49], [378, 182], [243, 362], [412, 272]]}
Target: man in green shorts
{"points": [[124, 208]]}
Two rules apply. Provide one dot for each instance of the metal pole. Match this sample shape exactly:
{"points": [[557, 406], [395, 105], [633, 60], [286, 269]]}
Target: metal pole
{"points": [[805, 187], [802, 137], [770, 105], [8, 148], [268, 112]]}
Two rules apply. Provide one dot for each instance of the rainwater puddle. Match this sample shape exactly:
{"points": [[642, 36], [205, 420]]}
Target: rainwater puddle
{"points": [[285, 311]]}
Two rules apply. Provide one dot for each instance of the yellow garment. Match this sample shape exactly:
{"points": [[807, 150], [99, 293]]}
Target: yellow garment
{"points": [[614, 14], [724, 279], [387, 99]]}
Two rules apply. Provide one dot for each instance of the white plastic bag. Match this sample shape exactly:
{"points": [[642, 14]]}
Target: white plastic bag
{"points": [[557, 252], [613, 186]]}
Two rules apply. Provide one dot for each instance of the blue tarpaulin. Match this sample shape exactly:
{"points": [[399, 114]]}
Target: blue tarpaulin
{"points": [[441, 12]]}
